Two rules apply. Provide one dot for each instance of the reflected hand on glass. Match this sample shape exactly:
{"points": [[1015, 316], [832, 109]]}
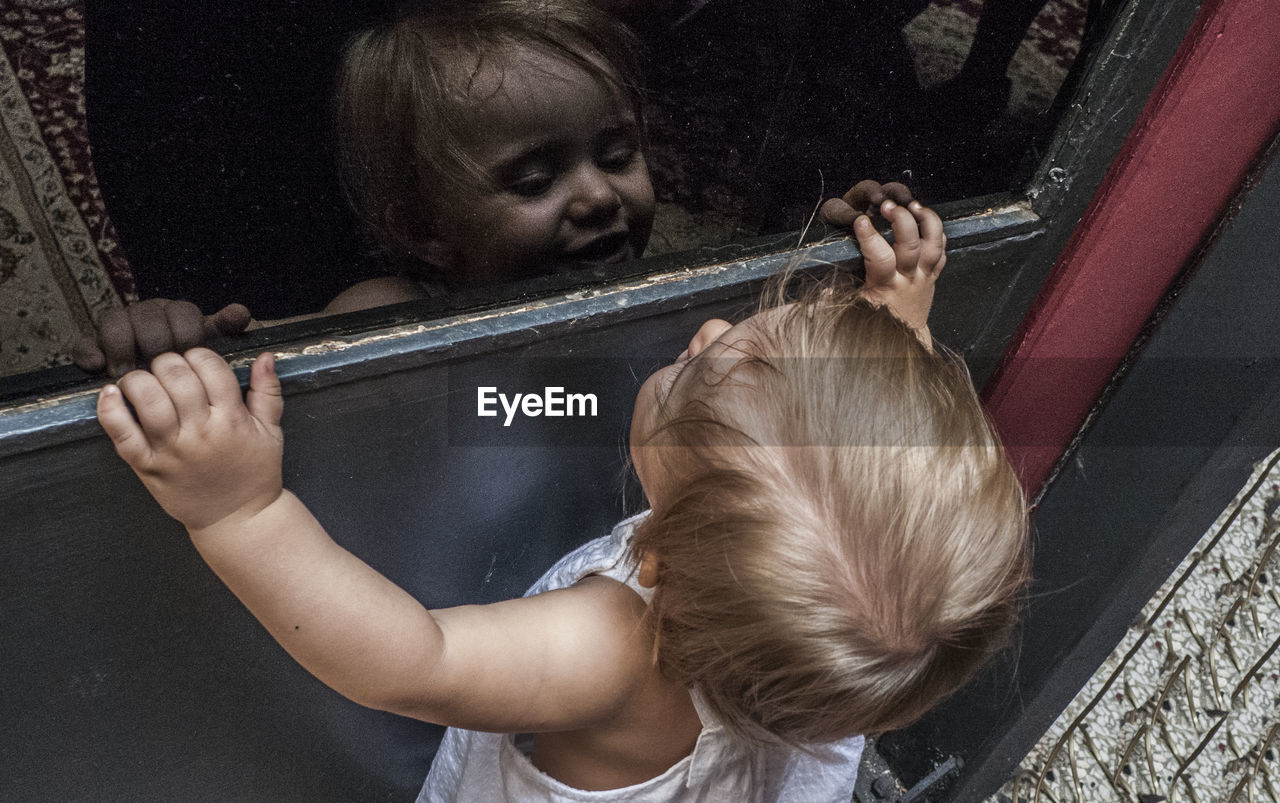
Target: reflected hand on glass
{"points": [[864, 198], [134, 335]]}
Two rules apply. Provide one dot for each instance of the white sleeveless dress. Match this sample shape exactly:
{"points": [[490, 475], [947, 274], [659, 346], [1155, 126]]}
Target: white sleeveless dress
{"points": [[477, 767]]}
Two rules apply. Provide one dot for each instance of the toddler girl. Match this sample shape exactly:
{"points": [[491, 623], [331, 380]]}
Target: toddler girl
{"points": [[485, 142], [836, 541]]}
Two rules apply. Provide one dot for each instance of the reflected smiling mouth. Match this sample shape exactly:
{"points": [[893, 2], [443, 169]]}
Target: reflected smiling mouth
{"points": [[615, 247]]}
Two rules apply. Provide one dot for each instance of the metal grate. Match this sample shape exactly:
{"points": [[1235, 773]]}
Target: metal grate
{"points": [[1187, 707]]}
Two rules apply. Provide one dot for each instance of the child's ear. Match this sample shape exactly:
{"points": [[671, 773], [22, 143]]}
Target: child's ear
{"points": [[420, 238], [647, 577]]}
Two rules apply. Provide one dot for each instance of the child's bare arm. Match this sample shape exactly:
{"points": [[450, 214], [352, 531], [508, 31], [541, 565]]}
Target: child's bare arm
{"points": [[556, 661]]}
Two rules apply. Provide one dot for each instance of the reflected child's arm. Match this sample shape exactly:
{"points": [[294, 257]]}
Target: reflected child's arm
{"points": [[141, 331], [559, 660]]}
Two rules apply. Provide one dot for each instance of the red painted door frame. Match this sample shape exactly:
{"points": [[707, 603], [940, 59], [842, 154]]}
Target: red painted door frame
{"points": [[1213, 113]]}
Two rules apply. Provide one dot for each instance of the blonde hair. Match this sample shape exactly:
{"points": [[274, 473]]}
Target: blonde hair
{"points": [[405, 87], [844, 549]]}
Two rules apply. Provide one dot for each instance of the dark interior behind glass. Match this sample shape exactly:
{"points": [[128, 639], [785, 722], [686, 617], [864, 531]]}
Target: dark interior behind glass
{"points": [[212, 139]]}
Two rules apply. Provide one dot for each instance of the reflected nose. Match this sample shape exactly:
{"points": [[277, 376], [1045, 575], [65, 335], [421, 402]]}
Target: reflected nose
{"points": [[707, 334], [594, 198]]}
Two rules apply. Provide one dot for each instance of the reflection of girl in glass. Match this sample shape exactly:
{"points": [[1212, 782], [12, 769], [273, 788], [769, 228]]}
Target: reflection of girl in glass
{"points": [[494, 141], [480, 143]]}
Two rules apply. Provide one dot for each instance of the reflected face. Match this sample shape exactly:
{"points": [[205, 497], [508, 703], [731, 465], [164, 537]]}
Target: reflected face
{"points": [[569, 186]]}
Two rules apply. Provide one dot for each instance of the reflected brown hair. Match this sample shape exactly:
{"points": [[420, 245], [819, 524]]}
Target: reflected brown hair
{"points": [[406, 85], [841, 540]]}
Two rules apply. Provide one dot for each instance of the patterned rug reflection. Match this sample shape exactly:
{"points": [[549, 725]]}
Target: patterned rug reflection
{"points": [[60, 266]]}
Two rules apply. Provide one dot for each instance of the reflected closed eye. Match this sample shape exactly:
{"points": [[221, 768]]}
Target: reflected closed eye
{"points": [[530, 185], [618, 149], [618, 158]]}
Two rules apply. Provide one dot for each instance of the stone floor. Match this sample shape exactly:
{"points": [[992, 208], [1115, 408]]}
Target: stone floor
{"points": [[1187, 707]]}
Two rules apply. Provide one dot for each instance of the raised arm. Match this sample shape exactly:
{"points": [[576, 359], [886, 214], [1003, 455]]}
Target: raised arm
{"points": [[212, 461], [900, 276]]}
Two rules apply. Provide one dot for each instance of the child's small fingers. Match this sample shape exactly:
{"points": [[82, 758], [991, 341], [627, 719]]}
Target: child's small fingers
{"points": [[183, 386], [120, 425], [877, 254], [230, 320], [186, 323], [898, 192], [265, 400], [115, 335], [865, 197], [220, 385], [88, 355], [151, 404], [151, 329], [906, 236], [932, 237], [928, 219], [837, 212]]}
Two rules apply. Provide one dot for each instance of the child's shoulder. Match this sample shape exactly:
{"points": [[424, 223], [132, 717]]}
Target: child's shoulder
{"points": [[376, 293], [607, 555]]}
